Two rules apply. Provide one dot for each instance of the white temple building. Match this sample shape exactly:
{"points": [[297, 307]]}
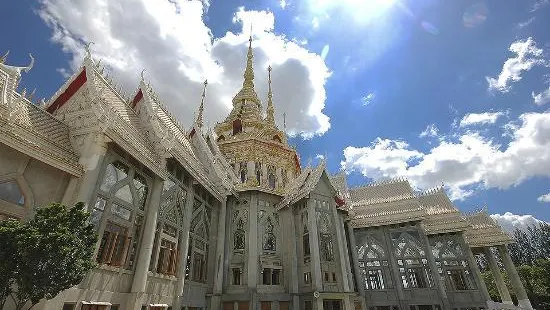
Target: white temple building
{"points": [[226, 218]]}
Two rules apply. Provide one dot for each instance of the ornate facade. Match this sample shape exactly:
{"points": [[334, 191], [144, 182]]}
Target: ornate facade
{"points": [[226, 218]]}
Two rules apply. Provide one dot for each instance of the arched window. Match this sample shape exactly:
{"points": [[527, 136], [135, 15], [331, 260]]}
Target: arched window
{"points": [[284, 177], [199, 233], [269, 242], [276, 138], [165, 253], [237, 126], [118, 212], [239, 238], [326, 247], [258, 168], [452, 262], [305, 236], [373, 263], [11, 192], [271, 177], [243, 171], [411, 260]]}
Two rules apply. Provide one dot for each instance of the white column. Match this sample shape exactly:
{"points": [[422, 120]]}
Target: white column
{"points": [[342, 253], [478, 278], [93, 155], [144, 257], [315, 262], [499, 281], [440, 286], [220, 247], [184, 246], [398, 284], [355, 261], [253, 251], [70, 192], [523, 300], [293, 254]]}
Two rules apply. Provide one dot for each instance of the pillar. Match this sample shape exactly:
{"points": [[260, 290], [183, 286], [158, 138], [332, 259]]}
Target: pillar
{"points": [[252, 262], [499, 281], [523, 300], [478, 278], [433, 268], [395, 269], [341, 240], [144, 256], [220, 247], [184, 246], [93, 155], [315, 263], [294, 279], [355, 261]]}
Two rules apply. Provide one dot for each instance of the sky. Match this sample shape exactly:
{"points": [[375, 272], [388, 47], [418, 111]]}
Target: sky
{"points": [[453, 93]]}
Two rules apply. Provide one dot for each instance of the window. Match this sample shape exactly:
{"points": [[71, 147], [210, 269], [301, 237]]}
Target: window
{"points": [[327, 253], [411, 259], [416, 278], [457, 279], [271, 276], [270, 243], [375, 280], [115, 307], [239, 237], [236, 276], [119, 206], [243, 171], [307, 277], [305, 237], [113, 246], [237, 126], [198, 236], [68, 306], [276, 138], [333, 277], [164, 257], [11, 192], [258, 172], [221, 138], [265, 305], [308, 305], [168, 258]]}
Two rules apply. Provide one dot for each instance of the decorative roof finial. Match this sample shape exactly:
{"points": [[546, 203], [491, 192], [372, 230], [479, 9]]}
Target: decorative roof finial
{"points": [[201, 107], [29, 67], [249, 71], [270, 110], [142, 77], [5, 57], [88, 50], [284, 121]]}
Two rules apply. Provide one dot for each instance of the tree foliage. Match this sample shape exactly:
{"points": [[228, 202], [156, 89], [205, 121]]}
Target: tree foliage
{"points": [[530, 244], [50, 253]]}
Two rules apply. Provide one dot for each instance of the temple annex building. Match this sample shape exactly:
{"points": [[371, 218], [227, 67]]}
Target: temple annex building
{"points": [[226, 218]]}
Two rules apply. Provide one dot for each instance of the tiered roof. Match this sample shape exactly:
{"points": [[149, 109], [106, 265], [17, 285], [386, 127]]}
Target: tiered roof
{"points": [[31, 130], [484, 231]]}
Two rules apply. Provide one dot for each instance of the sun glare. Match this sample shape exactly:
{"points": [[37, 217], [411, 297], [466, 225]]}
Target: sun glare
{"points": [[360, 10]]}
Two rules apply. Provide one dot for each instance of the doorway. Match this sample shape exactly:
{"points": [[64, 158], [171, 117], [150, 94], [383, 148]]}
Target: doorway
{"points": [[332, 304]]}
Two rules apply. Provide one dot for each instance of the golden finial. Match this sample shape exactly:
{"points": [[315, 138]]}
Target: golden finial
{"points": [[201, 107]]}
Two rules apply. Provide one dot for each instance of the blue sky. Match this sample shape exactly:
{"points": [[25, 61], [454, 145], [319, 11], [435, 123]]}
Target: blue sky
{"points": [[453, 92]]}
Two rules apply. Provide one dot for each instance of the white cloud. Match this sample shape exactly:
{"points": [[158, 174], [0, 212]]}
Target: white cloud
{"points": [[320, 156], [130, 35], [541, 98], [544, 198], [315, 23], [367, 99], [510, 222], [465, 162], [527, 55], [526, 23], [430, 131], [480, 118], [283, 4]]}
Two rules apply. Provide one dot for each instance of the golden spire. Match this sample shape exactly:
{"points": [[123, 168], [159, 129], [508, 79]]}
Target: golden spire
{"points": [[270, 110], [201, 107], [249, 71]]}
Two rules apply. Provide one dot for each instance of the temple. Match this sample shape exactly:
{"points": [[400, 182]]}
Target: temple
{"points": [[226, 217]]}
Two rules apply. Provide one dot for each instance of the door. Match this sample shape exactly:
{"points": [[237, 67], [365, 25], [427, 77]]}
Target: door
{"points": [[332, 304]]}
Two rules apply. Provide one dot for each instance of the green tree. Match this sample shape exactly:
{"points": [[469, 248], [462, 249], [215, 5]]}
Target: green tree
{"points": [[53, 252], [9, 230]]}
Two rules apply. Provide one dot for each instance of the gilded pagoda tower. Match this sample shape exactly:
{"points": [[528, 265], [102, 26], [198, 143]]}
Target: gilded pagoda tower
{"points": [[254, 146]]}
